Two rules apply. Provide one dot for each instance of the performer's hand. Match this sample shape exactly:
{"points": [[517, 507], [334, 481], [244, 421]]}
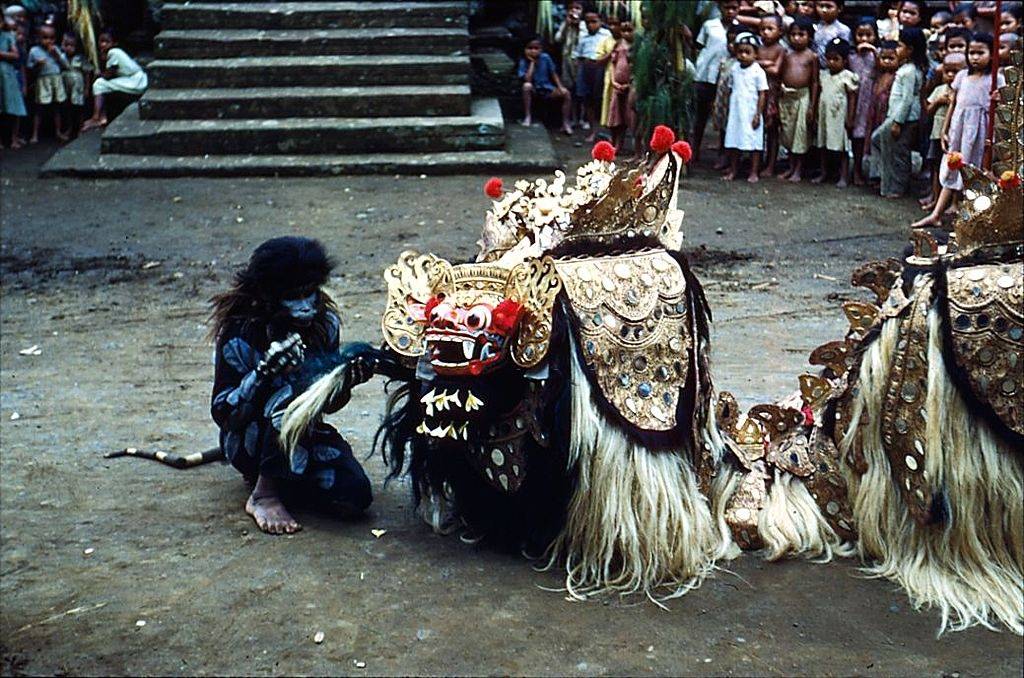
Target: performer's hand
{"points": [[283, 356], [756, 122], [895, 130], [360, 371]]}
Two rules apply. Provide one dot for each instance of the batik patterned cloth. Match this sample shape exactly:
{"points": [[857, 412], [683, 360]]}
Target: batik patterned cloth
{"points": [[322, 470]]}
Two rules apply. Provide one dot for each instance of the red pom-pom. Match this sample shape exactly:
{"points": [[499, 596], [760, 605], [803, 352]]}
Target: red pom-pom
{"points": [[662, 139], [604, 151], [505, 316], [808, 415], [493, 188], [954, 161], [683, 150], [1009, 180]]}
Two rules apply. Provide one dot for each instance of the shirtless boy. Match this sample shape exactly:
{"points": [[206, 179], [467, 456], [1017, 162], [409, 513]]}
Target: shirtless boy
{"points": [[769, 56], [799, 100]]}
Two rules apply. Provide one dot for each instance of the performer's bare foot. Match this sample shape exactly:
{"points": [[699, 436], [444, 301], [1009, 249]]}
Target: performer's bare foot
{"points": [[785, 175], [767, 173], [841, 183], [266, 508], [818, 178], [728, 176], [61, 136], [753, 178], [795, 177]]}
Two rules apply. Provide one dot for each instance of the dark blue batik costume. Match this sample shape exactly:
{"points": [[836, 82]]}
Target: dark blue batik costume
{"points": [[322, 470]]}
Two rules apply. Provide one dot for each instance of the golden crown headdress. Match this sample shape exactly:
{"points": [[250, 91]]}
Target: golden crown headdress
{"points": [[607, 206]]}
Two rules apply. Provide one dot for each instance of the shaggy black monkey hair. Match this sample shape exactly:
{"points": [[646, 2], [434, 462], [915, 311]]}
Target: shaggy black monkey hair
{"points": [[278, 269]]}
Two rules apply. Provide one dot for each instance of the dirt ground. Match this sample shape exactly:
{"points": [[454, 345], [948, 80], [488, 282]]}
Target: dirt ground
{"points": [[125, 566]]}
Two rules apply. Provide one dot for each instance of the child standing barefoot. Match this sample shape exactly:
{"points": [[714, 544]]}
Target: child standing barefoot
{"points": [[769, 57], [11, 102], [713, 43], [75, 80], [799, 102], [892, 140], [120, 74], [862, 63], [720, 109], [966, 125], [937, 106], [749, 88], [620, 110], [47, 62], [836, 107]]}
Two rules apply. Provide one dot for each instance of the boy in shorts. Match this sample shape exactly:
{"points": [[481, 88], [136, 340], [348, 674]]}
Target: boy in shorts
{"points": [[47, 62]]}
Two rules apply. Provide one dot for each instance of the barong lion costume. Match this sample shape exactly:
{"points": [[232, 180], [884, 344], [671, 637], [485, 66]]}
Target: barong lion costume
{"points": [[555, 394]]}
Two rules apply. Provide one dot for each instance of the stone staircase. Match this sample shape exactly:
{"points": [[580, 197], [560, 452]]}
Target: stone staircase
{"points": [[306, 88]]}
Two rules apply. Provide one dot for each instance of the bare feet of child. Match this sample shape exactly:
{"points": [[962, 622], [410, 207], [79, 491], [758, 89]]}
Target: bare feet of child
{"points": [[767, 173], [795, 177], [526, 122], [591, 137], [62, 136], [729, 176], [817, 178], [266, 508], [16, 143], [33, 140], [841, 183], [753, 178], [786, 175], [567, 130], [927, 222], [93, 123]]}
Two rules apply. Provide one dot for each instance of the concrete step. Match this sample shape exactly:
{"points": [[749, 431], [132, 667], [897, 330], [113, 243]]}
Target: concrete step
{"points": [[293, 15], [198, 44], [483, 129], [305, 102], [325, 71], [529, 151]]}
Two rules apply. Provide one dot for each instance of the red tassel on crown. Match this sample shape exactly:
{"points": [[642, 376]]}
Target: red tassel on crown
{"points": [[683, 150], [603, 151], [662, 139], [493, 188]]}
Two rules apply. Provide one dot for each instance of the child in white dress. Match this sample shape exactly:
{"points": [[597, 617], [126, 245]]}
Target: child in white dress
{"points": [[837, 108], [120, 74], [744, 132]]}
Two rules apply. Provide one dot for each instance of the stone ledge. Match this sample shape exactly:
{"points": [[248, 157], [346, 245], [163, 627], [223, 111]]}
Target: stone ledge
{"points": [[528, 150]]}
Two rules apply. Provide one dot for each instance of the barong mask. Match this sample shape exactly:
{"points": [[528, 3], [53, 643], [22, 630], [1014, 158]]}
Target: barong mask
{"points": [[469, 319]]}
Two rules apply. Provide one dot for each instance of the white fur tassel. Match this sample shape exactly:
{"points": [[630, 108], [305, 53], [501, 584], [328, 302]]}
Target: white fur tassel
{"points": [[308, 406], [972, 567], [637, 521]]}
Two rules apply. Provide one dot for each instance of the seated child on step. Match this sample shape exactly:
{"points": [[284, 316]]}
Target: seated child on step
{"points": [[120, 74]]}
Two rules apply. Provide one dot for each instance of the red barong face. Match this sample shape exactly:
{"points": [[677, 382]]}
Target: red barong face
{"points": [[467, 339]]}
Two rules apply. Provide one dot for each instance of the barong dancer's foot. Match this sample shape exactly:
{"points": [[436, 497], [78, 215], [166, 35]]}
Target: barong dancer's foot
{"points": [[267, 509]]}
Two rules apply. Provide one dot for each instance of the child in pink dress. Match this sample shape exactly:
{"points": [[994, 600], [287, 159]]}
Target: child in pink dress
{"points": [[862, 62], [966, 128], [620, 111]]}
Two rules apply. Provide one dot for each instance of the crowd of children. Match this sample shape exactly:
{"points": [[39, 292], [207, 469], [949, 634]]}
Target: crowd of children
{"points": [[46, 79], [792, 87]]}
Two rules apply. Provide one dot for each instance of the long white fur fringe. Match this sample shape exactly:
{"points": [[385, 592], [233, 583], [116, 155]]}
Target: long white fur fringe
{"points": [[637, 521], [309, 405], [971, 568]]}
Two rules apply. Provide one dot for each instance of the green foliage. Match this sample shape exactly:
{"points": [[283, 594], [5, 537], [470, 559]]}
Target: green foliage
{"points": [[664, 86]]}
